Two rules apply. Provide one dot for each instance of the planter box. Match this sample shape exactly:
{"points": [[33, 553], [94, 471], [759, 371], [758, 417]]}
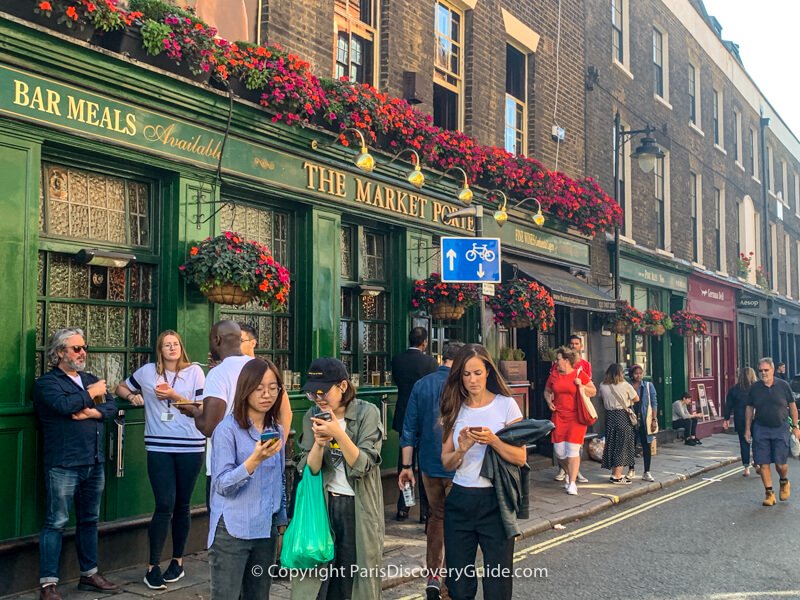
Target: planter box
{"points": [[514, 370]]}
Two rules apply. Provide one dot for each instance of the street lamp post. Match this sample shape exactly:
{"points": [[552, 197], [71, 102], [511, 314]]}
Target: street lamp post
{"points": [[646, 154]]}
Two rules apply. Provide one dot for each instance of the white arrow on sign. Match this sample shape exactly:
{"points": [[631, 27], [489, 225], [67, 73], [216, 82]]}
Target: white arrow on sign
{"points": [[451, 254], [481, 272]]}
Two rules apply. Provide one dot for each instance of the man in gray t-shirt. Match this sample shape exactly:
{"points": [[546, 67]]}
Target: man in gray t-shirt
{"points": [[772, 403]]}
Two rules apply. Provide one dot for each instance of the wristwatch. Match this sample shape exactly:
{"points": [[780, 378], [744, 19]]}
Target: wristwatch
{"points": [[403, 467]]}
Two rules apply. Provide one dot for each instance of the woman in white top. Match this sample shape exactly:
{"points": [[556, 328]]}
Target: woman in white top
{"points": [[618, 396], [476, 403], [174, 447]]}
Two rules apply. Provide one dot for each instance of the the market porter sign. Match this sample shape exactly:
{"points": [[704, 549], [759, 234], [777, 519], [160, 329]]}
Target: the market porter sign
{"points": [[45, 101]]}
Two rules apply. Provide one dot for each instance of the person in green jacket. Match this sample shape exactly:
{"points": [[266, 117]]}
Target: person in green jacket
{"points": [[342, 437]]}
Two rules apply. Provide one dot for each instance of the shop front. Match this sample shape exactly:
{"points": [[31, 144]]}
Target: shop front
{"points": [[648, 282], [712, 356], [786, 334], [143, 164], [752, 326]]}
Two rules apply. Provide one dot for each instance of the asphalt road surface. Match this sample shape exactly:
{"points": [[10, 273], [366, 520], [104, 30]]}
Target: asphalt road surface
{"points": [[708, 538]]}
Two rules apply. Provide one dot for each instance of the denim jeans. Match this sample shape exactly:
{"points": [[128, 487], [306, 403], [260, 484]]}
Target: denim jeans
{"points": [[63, 486], [241, 569]]}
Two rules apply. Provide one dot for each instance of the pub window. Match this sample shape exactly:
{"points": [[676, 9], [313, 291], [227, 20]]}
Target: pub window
{"points": [[448, 77], [516, 104], [115, 307], [271, 228], [356, 34], [364, 303]]}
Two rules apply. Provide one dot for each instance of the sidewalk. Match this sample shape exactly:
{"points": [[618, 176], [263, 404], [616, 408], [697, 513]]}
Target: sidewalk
{"points": [[404, 545]]}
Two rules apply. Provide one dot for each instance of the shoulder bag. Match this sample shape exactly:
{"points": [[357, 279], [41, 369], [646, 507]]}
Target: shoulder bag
{"points": [[587, 414]]}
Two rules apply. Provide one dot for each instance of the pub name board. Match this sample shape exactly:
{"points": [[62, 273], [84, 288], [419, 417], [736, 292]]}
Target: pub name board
{"points": [[648, 275], [69, 108]]}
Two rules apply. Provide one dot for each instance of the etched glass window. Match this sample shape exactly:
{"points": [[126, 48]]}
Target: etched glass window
{"points": [[271, 228]]}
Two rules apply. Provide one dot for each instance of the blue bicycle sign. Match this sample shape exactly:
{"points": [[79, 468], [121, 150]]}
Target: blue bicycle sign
{"points": [[480, 251], [470, 260]]}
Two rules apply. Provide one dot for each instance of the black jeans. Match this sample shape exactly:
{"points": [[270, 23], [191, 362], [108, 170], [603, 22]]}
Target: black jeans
{"points": [[688, 425], [172, 476], [472, 519], [423, 497], [342, 515], [240, 569], [744, 447], [640, 434]]}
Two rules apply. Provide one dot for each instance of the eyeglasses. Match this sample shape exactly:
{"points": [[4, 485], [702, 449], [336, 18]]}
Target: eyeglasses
{"points": [[763, 370], [172, 345], [243, 340], [274, 389], [77, 349]]}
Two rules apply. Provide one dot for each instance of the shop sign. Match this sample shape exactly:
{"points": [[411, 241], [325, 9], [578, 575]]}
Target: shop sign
{"points": [[540, 242], [68, 108], [648, 275], [747, 302]]}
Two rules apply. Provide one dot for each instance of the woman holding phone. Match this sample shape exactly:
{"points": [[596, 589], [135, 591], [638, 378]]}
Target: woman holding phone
{"points": [[342, 437], [174, 447], [248, 499], [476, 403]]}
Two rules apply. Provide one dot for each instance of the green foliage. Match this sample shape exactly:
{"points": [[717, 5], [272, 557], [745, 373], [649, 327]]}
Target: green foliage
{"points": [[153, 34], [157, 10]]}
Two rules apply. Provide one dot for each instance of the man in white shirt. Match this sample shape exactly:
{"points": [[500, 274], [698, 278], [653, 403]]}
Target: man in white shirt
{"points": [[224, 343]]}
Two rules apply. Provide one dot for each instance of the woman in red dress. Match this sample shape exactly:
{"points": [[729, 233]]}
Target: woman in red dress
{"points": [[561, 392]]}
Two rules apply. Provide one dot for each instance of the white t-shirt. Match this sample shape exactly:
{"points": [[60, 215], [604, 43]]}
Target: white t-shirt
{"points": [[77, 380], [179, 434], [497, 414], [221, 383], [338, 484]]}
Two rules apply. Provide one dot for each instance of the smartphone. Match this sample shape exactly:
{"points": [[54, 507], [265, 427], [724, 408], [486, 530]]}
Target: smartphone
{"points": [[267, 437], [325, 416], [475, 429]]}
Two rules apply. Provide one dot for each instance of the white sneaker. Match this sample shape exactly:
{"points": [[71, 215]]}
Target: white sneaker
{"points": [[581, 479], [631, 474], [561, 475], [566, 483], [647, 476], [572, 489]]}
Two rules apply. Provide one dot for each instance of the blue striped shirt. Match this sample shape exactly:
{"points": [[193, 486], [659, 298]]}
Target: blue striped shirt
{"points": [[247, 502]]}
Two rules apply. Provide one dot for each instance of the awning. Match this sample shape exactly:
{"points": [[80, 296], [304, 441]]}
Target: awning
{"points": [[565, 288]]}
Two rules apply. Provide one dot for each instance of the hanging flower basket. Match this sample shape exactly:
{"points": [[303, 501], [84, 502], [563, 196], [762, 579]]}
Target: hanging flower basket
{"points": [[523, 303], [622, 327], [447, 312], [625, 319], [229, 294], [688, 324], [230, 270], [655, 322]]}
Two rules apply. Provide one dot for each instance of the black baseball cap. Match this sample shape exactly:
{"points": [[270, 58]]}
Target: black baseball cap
{"points": [[323, 373]]}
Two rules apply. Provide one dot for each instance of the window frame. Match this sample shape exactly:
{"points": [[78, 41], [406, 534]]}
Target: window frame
{"points": [[440, 74], [717, 119], [660, 64], [696, 207], [520, 105], [621, 33], [660, 193], [347, 22], [770, 170], [754, 160], [694, 97], [737, 137]]}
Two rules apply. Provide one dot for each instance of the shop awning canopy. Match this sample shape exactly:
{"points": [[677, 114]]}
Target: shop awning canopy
{"points": [[565, 288]]}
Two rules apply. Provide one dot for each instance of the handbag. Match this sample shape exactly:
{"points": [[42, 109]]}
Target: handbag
{"points": [[587, 414]]}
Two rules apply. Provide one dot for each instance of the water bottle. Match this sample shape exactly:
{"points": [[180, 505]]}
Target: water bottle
{"points": [[408, 495]]}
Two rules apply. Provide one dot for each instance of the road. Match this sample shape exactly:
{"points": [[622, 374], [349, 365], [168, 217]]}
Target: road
{"points": [[708, 538]]}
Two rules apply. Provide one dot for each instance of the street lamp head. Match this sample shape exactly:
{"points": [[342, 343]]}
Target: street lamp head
{"points": [[647, 153]]}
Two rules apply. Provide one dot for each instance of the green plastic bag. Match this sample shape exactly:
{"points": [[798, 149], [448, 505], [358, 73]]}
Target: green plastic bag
{"points": [[307, 542]]}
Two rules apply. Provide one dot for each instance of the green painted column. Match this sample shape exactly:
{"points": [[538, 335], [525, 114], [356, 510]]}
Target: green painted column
{"points": [[320, 260]]}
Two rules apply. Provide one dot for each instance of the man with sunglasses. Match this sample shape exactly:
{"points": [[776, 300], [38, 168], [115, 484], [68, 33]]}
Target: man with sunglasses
{"points": [[770, 405], [72, 406]]}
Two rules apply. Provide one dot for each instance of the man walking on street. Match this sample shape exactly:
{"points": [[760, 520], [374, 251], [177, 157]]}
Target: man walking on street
{"points": [[408, 368], [575, 343], [422, 430], [72, 406], [772, 401]]}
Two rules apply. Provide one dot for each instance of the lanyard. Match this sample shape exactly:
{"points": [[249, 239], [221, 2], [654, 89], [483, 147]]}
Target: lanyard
{"points": [[172, 385]]}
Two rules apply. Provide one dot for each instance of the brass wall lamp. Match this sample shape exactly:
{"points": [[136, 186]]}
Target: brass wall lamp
{"points": [[465, 195], [364, 160], [501, 214], [415, 177]]}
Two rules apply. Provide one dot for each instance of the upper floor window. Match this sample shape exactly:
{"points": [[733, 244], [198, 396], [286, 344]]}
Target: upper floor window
{"points": [[770, 171], [753, 154], [696, 217], [785, 182], [716, 118], [718, 227], [355, 24], [737, 136], [661, 206], [694, 101], [619, 30], [659, 64], [448, 77], [516, 103]]}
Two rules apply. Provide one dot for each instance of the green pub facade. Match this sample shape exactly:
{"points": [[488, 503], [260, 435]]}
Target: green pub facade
{"points": [[97, 152]]}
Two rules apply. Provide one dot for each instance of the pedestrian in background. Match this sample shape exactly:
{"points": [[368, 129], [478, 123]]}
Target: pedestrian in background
{"points": [[72, 406], [684, 419], [476, 403], [620, 448], [342, 437], [174, 448], [736, 405], [561, 395], [770, 404], [780, 371], [248, 499], [647, 413], [422, 430], [409, 367]]}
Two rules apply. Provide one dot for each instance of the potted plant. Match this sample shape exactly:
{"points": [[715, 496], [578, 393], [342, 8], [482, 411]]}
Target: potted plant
{"points": [[625, 319], [513, 365], [523, 303], [685, 323], [230, 270], [743, 264], [76, 18], [655, 322], [442, 300]]}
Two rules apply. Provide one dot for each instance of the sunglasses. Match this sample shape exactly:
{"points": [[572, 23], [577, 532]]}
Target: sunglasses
{"points": [[763, 370], [77, 349]]}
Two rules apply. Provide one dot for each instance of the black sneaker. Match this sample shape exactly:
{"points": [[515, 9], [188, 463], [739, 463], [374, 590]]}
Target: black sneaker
{"points": [[174, 572], [697, 442], [690, 443], [433, 591], [154, 580]]}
